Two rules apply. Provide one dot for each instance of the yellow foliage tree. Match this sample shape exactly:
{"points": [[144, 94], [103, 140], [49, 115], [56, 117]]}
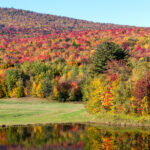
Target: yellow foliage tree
{"points": [[55, 92], [39, 91], [34, 89], [96, 95]]}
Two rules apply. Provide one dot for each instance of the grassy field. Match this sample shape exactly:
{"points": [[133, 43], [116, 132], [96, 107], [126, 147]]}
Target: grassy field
{"points": [[25, 111], [33, 110]]}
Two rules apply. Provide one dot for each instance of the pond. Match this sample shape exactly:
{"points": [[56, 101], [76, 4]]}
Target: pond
{"points": [[73, 137]]}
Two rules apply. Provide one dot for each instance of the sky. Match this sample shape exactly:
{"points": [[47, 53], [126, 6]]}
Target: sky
{"points": [[125, 12]]}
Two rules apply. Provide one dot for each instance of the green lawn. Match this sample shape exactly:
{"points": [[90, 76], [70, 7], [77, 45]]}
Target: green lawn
{"points": [[33, 110], [28, 110]]}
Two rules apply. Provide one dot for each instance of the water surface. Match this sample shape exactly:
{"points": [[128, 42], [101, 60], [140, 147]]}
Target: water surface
{"points": [[73, 137]]}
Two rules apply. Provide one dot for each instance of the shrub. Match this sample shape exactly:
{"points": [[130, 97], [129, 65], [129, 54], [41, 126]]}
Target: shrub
{"points": [[37, 68], [141, 93], [66, 91], [42, 86], [63, 89], [74, 94], [19, 91], [3, 91], [14, 79]]}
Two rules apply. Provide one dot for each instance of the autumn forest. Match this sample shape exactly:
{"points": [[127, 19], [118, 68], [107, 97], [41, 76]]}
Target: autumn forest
{"points": [[106, 66]]}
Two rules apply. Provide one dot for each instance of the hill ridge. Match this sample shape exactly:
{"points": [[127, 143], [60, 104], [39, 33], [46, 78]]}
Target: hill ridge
{"points": [[34, 23]]}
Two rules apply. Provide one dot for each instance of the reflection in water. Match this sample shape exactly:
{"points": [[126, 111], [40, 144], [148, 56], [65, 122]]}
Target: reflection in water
{"points": [[72, 137]]}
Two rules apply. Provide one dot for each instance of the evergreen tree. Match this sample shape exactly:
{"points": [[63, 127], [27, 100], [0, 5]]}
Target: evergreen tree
{"points": [[105, 52]]}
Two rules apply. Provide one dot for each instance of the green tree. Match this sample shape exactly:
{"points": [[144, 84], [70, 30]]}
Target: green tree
{"points": [[12, 76], [105, 52]]}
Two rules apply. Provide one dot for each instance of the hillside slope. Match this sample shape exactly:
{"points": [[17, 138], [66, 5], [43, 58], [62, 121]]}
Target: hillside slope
{"points": [[15, 21]]}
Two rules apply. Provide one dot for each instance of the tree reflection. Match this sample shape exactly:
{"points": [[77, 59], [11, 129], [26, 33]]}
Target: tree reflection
{"points": [[75, 137]]}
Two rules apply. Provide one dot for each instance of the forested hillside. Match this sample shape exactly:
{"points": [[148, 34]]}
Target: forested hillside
{"points": [[67, 59], [73, 47], [27, 23]]}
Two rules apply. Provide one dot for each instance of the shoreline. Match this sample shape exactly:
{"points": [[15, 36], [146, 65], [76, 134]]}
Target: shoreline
{"points": [[106, 124]]}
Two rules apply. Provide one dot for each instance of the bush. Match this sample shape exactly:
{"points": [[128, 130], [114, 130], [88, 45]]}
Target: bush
{"points": [[141, 93], [19, 92], [14, 79], [63, 89], [36, 68], [74, 93], [3, 92], [66, 91], [42, 86], [3, 89]]}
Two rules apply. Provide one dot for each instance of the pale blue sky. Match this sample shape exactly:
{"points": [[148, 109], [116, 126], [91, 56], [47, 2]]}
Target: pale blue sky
{"points": [[130, 12]]}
